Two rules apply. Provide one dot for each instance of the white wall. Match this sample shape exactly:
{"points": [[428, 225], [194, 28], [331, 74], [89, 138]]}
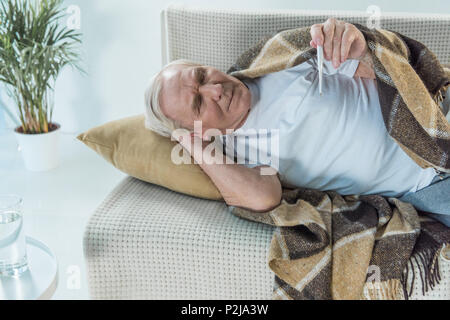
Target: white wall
{"points": [[121, 48]]}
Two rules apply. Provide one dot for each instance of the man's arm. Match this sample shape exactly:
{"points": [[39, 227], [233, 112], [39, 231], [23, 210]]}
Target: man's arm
{"points": [[245, 187], [240, 186]]}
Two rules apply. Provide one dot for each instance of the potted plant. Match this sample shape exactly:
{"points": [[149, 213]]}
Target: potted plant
{"points": [[34, 48]]}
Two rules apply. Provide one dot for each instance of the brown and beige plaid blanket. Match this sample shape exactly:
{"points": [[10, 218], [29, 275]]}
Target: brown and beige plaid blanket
{"points": [[328, 246]]}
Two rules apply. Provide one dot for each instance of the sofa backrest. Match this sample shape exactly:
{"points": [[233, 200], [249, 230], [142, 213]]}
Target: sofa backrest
{"points": [[217, 37]]}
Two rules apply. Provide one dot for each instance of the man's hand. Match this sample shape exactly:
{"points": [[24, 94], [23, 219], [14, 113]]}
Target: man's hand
{"points": [[340, 41], [186, 140], [192, 143]]}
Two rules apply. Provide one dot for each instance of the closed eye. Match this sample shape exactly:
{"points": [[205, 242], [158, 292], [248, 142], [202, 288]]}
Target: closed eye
{"points": [[200, 78], [197, 104]]}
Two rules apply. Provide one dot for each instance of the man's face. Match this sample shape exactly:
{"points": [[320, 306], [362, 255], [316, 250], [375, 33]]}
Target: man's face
{"points": [[202, 93]]}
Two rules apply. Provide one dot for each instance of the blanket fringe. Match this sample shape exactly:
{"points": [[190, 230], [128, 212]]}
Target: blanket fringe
{"points": [[385, 290], [440, 95], [424, 263], [427, 265]]}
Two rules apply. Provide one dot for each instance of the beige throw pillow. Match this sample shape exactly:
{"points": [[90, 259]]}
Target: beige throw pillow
{"points": [[145, 155]]}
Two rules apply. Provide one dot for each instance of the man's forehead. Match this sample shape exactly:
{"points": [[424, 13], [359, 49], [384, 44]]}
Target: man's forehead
{"points": [[172, 79], [172, 98], [173, 71], [172, 75]]}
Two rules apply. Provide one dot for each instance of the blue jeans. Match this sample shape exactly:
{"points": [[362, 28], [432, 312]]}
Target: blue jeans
{"points": [[434, 198]]}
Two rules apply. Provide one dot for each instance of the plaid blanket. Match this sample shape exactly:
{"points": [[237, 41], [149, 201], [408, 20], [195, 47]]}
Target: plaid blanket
{"points": [[328, 246]]}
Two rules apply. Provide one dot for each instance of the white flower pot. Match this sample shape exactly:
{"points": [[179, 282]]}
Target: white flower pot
{"points": [[40, 152]]}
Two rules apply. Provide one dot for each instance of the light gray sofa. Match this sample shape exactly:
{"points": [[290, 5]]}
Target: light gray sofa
{"points": [[147, 242]]}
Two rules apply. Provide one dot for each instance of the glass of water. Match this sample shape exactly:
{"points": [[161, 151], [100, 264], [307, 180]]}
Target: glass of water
{"points": [[13, 254]]}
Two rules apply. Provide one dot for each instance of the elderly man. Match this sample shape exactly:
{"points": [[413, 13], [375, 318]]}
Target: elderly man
{"points": [[331, 141]]}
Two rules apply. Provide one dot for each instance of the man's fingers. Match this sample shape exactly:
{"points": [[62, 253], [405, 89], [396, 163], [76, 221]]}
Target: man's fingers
{"points": [[336, 37], [337, 41], [317, 34], [328, 30], [347, 40]]}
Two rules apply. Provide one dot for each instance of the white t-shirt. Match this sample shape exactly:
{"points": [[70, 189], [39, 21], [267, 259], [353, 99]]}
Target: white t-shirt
{"points": [[337, 141]]}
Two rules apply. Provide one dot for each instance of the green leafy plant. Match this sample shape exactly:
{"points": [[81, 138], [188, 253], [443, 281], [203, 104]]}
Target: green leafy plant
{"points": [[34, 48]]}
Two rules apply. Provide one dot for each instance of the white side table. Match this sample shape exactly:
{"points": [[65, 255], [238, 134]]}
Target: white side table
{"points": [[39, 281]]}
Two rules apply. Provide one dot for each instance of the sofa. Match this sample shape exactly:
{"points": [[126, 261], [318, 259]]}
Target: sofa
{"points": [[148, 242]]}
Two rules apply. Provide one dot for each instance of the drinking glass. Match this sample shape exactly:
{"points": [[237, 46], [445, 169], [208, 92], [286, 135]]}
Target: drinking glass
{"points": [[13, 255]]}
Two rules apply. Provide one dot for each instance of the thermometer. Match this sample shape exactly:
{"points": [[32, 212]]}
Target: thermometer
{"points": [[320, 63]]}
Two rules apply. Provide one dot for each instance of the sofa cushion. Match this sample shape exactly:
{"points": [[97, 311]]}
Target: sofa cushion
{"points": [[145, 155]]}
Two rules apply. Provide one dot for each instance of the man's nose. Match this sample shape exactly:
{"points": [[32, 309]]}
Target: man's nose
{"points": [[213, 91]]}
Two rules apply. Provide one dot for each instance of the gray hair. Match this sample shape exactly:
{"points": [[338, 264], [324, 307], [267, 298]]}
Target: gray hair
{"points": [[155, 119]]}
